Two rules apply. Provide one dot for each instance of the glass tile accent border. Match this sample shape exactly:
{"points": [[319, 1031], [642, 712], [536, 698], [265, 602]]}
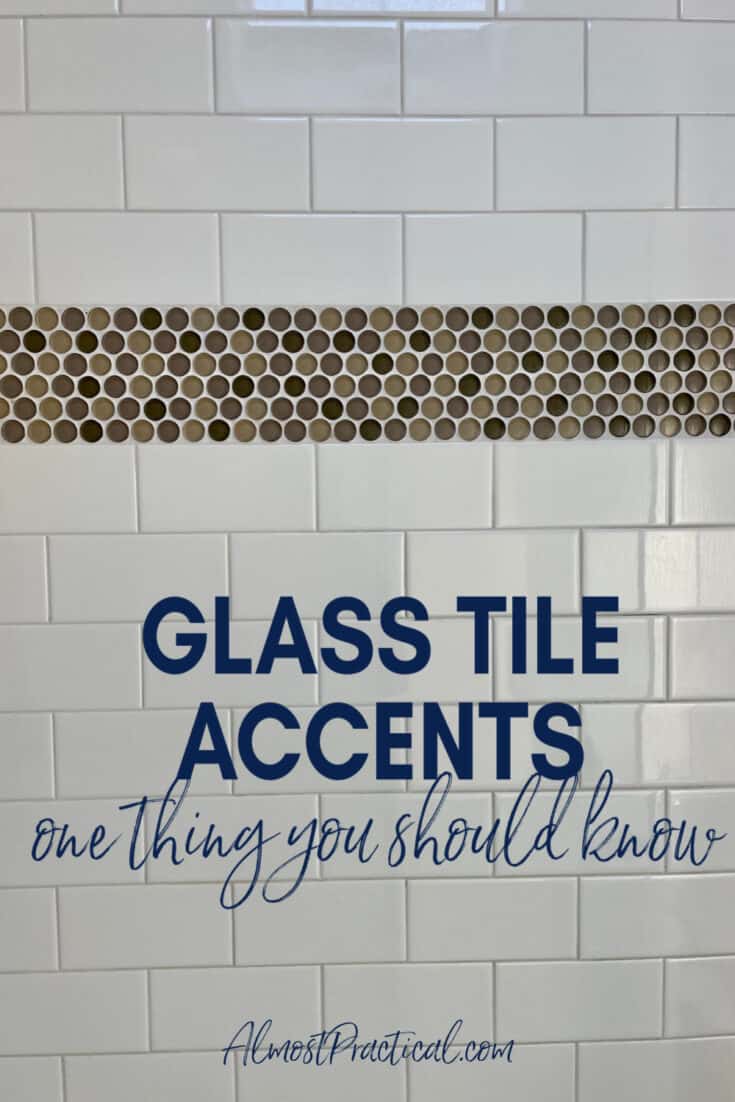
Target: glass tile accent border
{"points": [[364, 374]]}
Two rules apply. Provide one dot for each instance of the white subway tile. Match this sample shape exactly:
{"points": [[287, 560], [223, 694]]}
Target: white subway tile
{"points": [[276, 1081], [27, 931], [654, 69], [637, 811], [72, 1012], [645, 916], [341, 258], [640, 650], [671, 570], [212, 7], [707, 9], [579, 1001], [418, 861], [22, 579], [26, 1079], [26, 763], [304, 777], [515, 562], [439, 8], [186, 1076], [288, 65], [18, 820], [54, 161], [57, 7], [203, 1008], [707, 809], [588, 9], [448, 676], [119, 65], [11, 66], [285, 683], [57, 489], [127, 257], [647, 744], [659, 255], [613, 564], [324, 923], [313, 568], [701, 649], [127, 753], [230, 816], [424, 997], [261, 164], [402, 164], [211, 488], [384, 486], [98, 578], [700, 997], [488, 257], [544, 1071], [704, 492], [564, 164], [58, 666], [16, 273], [707, 160], [676, 1070], [498, 920], [493, 69], [597, 484], [142, 925]]}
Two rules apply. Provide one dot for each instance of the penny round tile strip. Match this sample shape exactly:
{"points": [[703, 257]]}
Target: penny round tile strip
{"points": [[363, 374]]}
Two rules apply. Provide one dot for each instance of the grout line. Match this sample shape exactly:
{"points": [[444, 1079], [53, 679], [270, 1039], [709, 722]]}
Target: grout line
{"points": [[576, 1071], [63, 1080], [406, 954]]}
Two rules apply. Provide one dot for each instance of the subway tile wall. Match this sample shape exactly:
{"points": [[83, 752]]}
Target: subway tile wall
{"points": [[370, 150], [629, 975]]}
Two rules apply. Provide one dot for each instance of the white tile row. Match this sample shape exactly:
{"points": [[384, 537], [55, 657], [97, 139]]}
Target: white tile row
{"points": [[125, 753], [681, 1068], [172, 925], [263, 164], [139, 256], [200, 1009], [513, 9], [388, 488], [285, 65], [69, 667], [117, 578]]}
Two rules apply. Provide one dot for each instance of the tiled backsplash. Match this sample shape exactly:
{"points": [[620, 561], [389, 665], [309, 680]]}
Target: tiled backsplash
{"points": [[185, 151], [339, 173], [613, 979]]}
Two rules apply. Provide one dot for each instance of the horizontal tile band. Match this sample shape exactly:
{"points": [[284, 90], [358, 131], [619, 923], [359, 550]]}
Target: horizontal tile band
{"points": [[467, 373]]}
